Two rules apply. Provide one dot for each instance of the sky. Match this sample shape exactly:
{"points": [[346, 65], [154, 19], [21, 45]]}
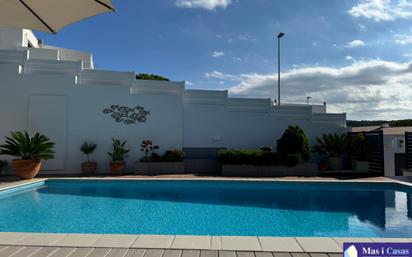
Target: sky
{"points": [[355, 55]]}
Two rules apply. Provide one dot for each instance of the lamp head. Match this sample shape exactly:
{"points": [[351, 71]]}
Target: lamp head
{"points": [[281, 34]]}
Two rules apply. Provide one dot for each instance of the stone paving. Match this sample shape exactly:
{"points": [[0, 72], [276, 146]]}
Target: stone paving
{"points": [[30, 251], [211, 243]]}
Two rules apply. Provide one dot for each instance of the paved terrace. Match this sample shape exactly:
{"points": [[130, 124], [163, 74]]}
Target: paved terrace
{"points": [[76, 245], [18, 251]]}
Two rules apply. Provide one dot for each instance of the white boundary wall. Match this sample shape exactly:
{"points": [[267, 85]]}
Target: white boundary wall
{"points": [[178, 117]]}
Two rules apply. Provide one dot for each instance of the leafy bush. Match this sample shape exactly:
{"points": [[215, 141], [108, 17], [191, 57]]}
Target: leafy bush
{"points": [[332, 145], [145, 76], [3, 164], [26, 147], [120, 150], [294, 141], [290, 160], [88, 149], [149, 150], [258, 158], [359, 147], [174, 155], [266, 148]]}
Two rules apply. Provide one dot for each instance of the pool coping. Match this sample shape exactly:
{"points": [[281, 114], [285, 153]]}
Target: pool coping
{"points": [[182, 242]]}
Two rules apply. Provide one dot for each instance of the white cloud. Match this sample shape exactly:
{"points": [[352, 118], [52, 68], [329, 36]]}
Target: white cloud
{"points": [[355, 43], [203, 4], [217, 54], [349, 58], [362, 27], [403, 39], [382, 10], [372, 89], [219, 75]]}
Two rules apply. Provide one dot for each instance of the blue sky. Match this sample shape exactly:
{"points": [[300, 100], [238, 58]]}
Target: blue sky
{"points": [[355, 55]]}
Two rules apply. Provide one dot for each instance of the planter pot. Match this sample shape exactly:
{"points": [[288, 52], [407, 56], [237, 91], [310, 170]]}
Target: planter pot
{"points": [[203, 166], [323, 166], [305, 170], [117, 168], [360, 166], [26, 169], [89, 168], [335, 163], [159, 168]]}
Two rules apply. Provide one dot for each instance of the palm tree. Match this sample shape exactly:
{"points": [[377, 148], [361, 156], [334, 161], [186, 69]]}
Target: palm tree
{"points": [[332, 145]]}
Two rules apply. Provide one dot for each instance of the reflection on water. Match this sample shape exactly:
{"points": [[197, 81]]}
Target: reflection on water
{"points": [[270, 209]]}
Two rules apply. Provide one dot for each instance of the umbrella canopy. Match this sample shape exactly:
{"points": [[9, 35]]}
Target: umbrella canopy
{"points": [[49, 15]]}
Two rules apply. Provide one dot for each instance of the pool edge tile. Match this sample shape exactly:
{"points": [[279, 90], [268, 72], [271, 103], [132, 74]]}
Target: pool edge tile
{"points": [[341, 240], [41, 239], [154, 241], [115, 241], [280, 244], [237, 243], [192, 242], [319, 245], [390, 240], [10, 238], [78, 240], [216, 243]]}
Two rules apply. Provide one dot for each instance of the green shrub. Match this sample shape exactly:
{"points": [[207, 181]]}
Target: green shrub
{"points": [[145, 76], [174, 155], [258, 158], [290, 160], [88, 149], [3, 164], [26, 147], [359, 147], [120, 150], [294, 141], [332, 145]]}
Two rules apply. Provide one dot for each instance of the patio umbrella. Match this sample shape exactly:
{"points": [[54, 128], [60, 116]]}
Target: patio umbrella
{"points": [[49, 15]]}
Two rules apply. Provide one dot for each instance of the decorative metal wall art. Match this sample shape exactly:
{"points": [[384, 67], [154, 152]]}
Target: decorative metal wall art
{"points": [[127, 115]]}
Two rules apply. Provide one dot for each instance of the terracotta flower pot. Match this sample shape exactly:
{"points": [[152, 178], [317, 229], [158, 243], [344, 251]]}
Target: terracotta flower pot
{"points": [[323, 166], [117, 168], [26, 169], [335, 163], [89, 168]]}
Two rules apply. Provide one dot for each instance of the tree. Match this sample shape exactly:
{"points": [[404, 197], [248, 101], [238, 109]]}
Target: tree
{"points": [[294, 141], [146, 76]]}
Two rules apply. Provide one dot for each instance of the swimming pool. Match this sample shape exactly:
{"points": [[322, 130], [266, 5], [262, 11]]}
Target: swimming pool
{"points": [[209, 208]]}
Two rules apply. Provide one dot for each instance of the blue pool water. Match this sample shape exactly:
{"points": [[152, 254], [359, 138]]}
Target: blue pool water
{"points": [[210, 208]]}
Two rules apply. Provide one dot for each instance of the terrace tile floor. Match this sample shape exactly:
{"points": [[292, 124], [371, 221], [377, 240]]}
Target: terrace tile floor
{"points": [[26, 251]]}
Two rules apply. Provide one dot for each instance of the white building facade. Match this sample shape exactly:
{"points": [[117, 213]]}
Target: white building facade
{"points": [[58, 92]]}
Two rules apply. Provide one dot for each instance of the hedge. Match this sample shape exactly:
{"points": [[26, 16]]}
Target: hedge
{"points": [[258, 158]]}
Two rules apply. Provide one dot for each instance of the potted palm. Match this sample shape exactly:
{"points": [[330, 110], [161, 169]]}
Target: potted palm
{"points": [[3, 165], [88, 167], [333, 146], [29, 151], [118, 154], [359, 153]]}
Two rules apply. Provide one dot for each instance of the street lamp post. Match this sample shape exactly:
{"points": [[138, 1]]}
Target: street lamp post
{"points": [[280, 35]]}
